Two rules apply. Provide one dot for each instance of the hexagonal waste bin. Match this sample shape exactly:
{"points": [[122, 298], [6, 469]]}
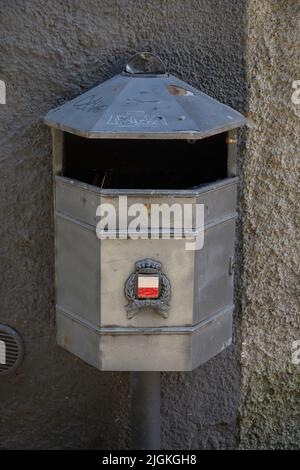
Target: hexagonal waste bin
{"points": [[148, 303]]}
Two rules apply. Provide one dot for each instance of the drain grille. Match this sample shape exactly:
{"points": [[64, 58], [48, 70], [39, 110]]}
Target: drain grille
{"points": [[11, 350]]}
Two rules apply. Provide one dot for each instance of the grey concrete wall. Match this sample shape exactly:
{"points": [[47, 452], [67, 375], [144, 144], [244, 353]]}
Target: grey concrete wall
{"points": [[51, 52], [270, 392]]}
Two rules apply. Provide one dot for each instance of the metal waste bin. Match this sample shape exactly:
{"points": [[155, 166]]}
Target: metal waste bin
{"points": [[148, 303]]}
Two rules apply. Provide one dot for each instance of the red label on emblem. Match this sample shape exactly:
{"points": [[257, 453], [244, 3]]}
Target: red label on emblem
{"points": [[147, 292]]}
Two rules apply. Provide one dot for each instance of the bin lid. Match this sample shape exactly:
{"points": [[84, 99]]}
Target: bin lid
{"points": [[146, 102]]}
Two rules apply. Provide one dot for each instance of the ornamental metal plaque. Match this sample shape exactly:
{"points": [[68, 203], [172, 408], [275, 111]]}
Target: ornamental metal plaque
{"points": [[148, 287]]}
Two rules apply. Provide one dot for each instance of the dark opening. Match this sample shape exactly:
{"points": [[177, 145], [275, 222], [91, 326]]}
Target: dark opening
{"points": [[145, 164]]}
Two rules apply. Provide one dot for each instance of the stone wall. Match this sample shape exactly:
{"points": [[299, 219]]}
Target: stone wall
{"points": [[270, 391], [52, 52]]}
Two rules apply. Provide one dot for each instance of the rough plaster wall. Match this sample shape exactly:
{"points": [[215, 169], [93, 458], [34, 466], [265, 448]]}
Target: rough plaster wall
{"points": [[270, 382], [51, 51]]}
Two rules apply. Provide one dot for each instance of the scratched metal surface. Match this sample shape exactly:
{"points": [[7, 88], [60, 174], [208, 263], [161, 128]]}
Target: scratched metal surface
{"points": [[154, 106]]}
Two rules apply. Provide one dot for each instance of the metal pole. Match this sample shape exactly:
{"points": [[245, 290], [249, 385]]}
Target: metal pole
{"points": [[145, 410]]}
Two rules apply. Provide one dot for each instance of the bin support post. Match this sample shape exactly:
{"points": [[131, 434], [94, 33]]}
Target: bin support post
{"points": [[145, 410]]}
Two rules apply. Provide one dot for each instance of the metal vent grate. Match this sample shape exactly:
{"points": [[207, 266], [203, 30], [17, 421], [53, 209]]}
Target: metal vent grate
{"points": [[11, 350]]}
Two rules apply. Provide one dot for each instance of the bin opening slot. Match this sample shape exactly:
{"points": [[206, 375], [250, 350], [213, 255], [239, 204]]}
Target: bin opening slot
{"points": [[145, 164]]}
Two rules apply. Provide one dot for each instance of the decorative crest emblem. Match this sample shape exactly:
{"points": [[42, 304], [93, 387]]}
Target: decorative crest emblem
{"points": [[148, 287]]}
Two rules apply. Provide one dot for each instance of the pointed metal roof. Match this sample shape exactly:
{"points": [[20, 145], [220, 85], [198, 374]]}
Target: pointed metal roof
{"points": [[144, 102]]}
